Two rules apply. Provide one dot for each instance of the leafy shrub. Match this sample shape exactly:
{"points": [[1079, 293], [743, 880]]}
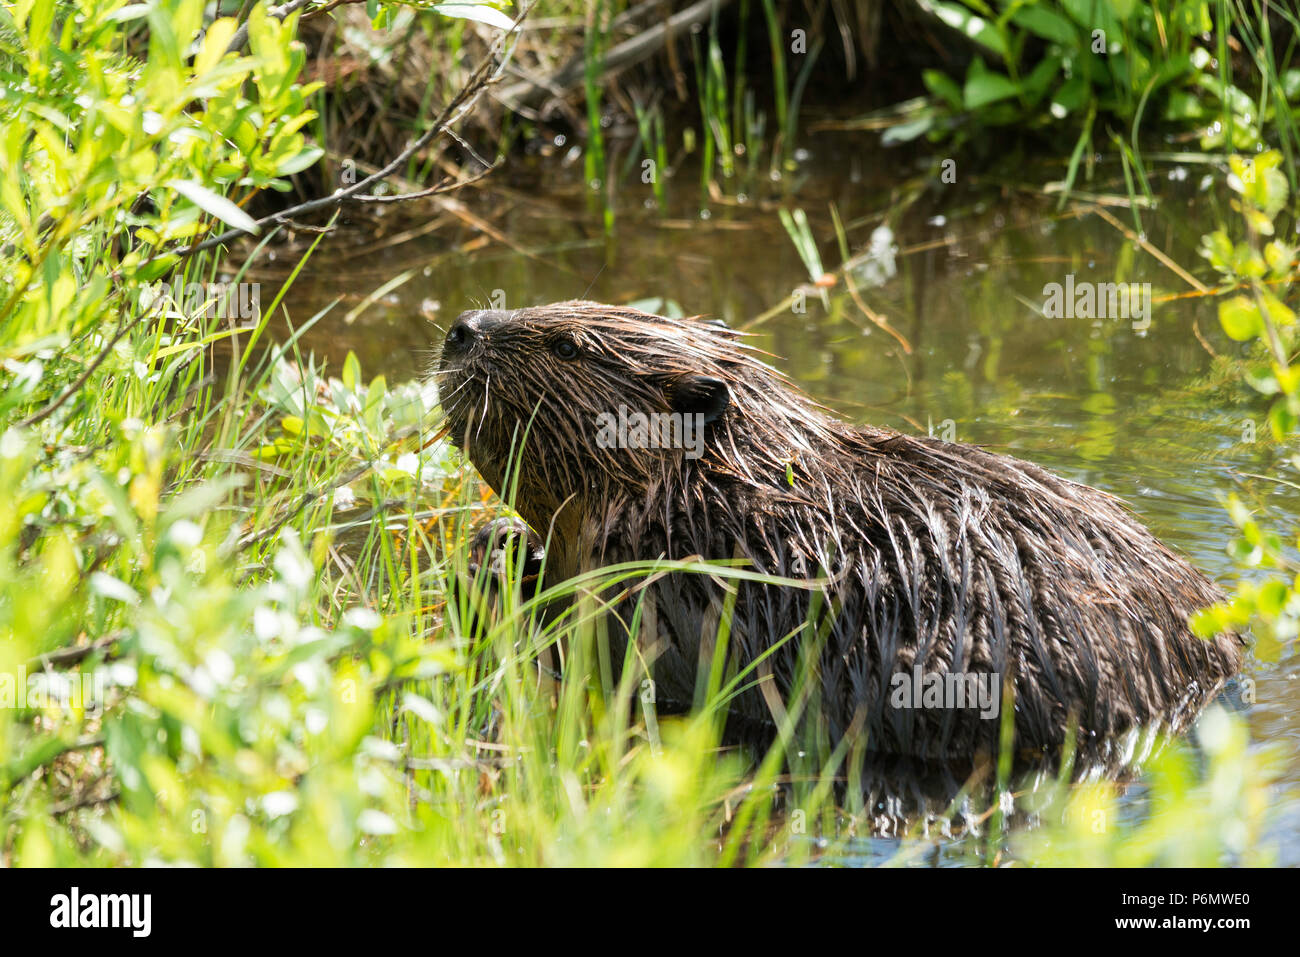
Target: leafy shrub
{"points": [[1070, 64]]}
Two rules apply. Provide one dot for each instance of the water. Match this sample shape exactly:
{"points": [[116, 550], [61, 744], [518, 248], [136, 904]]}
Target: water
{"points": [[1137, 409]]}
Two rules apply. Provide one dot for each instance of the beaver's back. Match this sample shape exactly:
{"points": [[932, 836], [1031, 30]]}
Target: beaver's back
{"points": [[962, 561]]}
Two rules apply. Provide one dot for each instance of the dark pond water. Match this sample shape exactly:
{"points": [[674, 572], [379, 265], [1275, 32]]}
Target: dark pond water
{"points": [[1135, 407]]}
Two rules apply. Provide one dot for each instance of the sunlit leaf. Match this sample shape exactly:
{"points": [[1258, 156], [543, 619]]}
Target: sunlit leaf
{"points": [[215, 205]]}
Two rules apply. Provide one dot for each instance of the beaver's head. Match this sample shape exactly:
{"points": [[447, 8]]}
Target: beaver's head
{"points": [[582, 401]]}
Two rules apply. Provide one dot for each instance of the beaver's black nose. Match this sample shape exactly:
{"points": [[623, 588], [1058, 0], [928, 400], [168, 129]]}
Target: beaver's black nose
{"points": [[468, 327], [462, 332], [458, 336]]}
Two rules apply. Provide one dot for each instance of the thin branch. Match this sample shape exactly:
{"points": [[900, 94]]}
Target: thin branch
{"points": [[75, 387], [304, 227], [443, 187], [328, 7], [241, 35], [483, 74], [25, 764], [314, 495], [76, 804], [73, 654]]}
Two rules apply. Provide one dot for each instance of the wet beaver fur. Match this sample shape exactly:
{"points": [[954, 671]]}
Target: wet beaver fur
{"points": [[929, 553]]}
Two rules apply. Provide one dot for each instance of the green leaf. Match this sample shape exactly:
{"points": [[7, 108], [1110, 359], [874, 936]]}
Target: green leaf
{"points": [[1123, 9], [1272, 598], [1279, 257], [475, 11], [1184, 107], [1279, 313], [298, 163], [961, 19], [38, 27], [1291, 84], [163, 43], [1045, 23], [1070, 97], [1094, 15], [218, 206], [983, 86], [1262, 381], [1239, 317], [132, 11], [1212, 621], [1041, 77], [1263, 182], [942, 86], [905, 132], [1282, 420], [352, 372], [215, 41], [1217, 248]]}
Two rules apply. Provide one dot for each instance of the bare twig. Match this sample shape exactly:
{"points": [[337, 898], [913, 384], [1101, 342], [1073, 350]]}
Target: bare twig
{"points": [[73, 654], [241, 35], [1172, 266], [316, 494], [443, 187], [25, 764], [304, 227], [76, 804], [75, 387], [328, 7], [483, 74]]}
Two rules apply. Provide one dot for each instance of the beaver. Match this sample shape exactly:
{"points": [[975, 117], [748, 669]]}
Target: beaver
{"points": [[475, 595], [911, 567]]}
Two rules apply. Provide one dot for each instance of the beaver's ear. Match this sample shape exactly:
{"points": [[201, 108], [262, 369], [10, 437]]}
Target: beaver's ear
{"points": [[699, 394]]}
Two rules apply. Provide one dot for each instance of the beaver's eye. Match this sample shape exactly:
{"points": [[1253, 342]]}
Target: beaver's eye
{"points": [[565, 348]]}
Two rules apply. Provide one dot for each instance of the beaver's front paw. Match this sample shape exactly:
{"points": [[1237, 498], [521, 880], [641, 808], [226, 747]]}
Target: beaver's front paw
{"points": [[475, 594], [500, 538]]}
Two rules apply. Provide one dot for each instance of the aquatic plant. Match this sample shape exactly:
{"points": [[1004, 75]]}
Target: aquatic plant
{"points": [[1261, 269], [1086, 67]]}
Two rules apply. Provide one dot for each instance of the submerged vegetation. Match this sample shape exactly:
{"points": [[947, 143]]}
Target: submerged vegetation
{"points": [[227, 634]]}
